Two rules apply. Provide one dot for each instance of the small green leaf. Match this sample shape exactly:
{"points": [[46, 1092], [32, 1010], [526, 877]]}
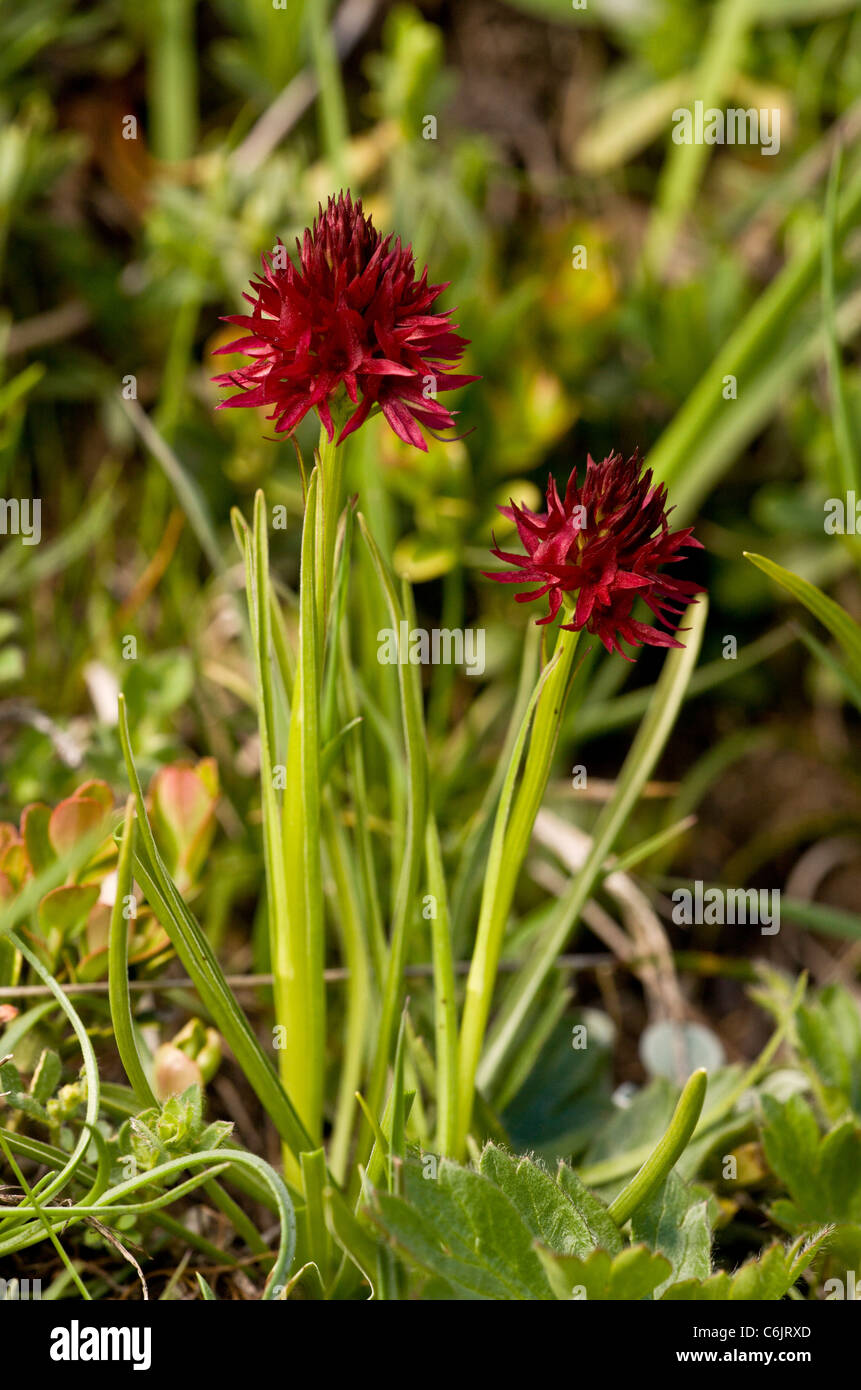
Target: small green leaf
{"points": [[543, 1204], [602, 1227], [765, 1279], [65, 910], [46, 1077], [10, 1079], [822, 1174], [466, 1231], [35, 821], [633, 1274], [675, 1222]]}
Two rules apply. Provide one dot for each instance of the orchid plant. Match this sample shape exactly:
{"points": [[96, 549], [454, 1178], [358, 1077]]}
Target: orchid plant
{"points": [[366, 1109]]}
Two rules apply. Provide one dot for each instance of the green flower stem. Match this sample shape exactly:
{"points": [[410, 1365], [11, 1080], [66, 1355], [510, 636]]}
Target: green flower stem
{"points": [[299, 951], [639, 764], [409, 872], [254, 546], [663, 1158], [507, 853], [293, 829], [445, 999], [358, 988], [331, 485]]}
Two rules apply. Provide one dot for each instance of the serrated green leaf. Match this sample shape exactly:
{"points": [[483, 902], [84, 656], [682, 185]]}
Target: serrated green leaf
{"points": [[543, 1204], [633, 1274], [713, 1290], [822, 1174], [829, 1033], [602, 1227], [674, 1221], [463, 1229], [498, 1229], [768, 1278], [418, 1237], [765, 1279]]}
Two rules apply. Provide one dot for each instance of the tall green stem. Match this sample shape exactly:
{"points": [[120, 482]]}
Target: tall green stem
{"points": [[445, 1004], [507, 853], [358, 988], [331, 485], [299, 952]]}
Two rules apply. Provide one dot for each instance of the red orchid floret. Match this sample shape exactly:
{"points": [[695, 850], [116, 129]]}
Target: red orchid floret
{"points": [[350, 325], [605, 542]]}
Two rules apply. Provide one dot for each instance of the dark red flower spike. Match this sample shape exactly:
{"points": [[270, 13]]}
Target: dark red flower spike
{"points": [[350, 329], [604, 543]]}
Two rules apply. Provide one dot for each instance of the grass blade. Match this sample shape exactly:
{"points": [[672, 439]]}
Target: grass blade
{"points": [[410, 870], [118, 993], [838, 622], [202, 966]]}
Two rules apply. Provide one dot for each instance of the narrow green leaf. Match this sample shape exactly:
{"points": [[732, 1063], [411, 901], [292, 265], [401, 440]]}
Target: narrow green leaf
{"points": [[415, 744], [838, 622], [663, 1159], [201, 964], [849, 470], [118, 990]]}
